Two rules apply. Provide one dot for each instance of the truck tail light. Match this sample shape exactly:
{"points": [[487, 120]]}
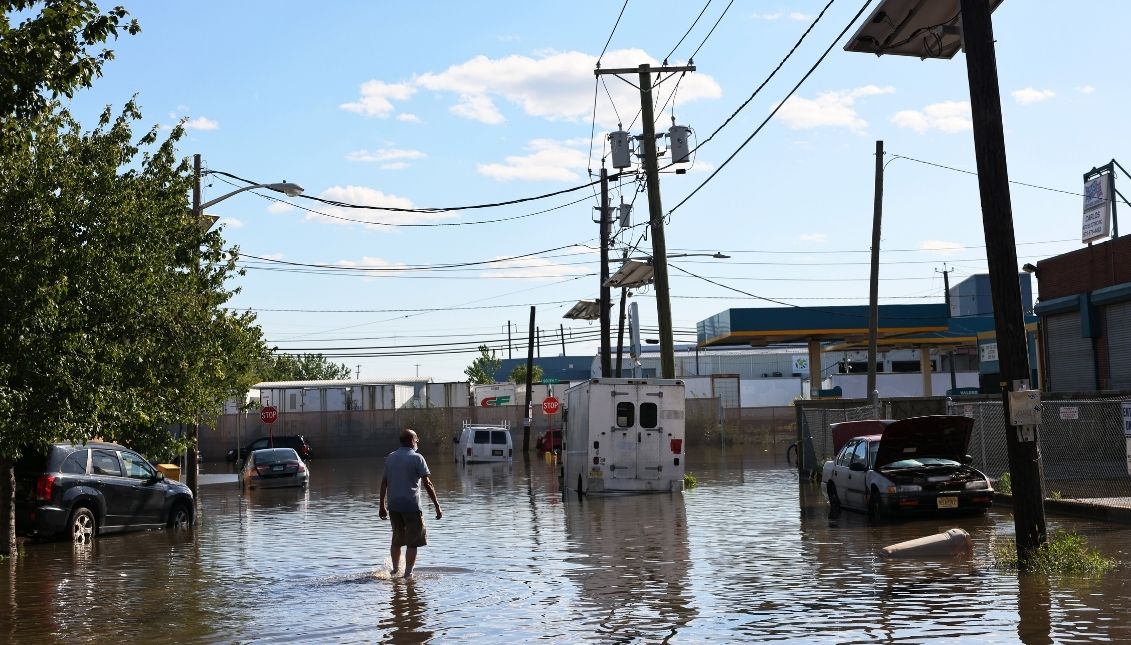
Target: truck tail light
{"points": [[677, 446], [43, 487], [469, 451]]}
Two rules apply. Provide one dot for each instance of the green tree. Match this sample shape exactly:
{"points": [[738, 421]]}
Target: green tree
{"points": [[518, 375], [482, 370], [114, 323], [303, 367]]}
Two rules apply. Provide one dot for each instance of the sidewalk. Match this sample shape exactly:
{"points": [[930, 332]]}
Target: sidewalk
{"points": [[1107, 509]]}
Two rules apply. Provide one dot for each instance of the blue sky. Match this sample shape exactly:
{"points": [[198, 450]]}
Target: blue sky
{"points": [[429, 104]]}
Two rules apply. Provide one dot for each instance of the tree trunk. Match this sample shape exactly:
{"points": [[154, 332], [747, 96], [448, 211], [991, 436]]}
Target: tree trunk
{"points": [[8, 507]]}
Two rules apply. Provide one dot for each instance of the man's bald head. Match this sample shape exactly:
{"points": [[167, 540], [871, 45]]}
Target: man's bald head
{"points": [[408, 437]]}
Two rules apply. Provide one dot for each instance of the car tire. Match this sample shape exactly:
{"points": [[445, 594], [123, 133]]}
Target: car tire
{"points": [[180, 517], [834, 499], [875, 507], [83, 525]]}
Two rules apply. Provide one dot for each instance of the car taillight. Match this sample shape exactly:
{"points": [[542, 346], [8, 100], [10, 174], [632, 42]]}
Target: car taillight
{"points": [[301, 468], [469, 452], [677, 446], [43, 487]]}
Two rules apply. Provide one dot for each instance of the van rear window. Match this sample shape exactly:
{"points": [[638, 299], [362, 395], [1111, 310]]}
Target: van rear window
{"points": [[499, 437], [649, 416], [626, 414], [482, 436]]}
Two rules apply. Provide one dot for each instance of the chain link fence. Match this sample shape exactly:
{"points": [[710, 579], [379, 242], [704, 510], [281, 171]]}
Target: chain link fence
{"points": [[1080, 441]]}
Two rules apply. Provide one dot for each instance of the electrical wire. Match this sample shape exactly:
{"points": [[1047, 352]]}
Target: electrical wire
{"points": [[772, 112], [695, 22], [708, 36], [614, 30]]}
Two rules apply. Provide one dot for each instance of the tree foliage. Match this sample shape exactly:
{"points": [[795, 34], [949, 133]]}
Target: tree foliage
{"points": [[518, 374], [113, 322], [304, 367], [482, 370]]}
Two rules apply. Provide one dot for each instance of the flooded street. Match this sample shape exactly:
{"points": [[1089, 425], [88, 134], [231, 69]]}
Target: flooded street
{"points": [[749, 555]]}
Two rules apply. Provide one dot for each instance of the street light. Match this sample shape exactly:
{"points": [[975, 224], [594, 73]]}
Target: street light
{"points": [[192, 477], [938, 29]]}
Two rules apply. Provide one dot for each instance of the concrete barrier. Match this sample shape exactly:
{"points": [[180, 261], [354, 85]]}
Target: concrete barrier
{"points": [[948, 544]]}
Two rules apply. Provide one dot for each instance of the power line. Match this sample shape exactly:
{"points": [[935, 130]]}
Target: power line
{"points": [[695, 22], [614, 30], [708, 36]]}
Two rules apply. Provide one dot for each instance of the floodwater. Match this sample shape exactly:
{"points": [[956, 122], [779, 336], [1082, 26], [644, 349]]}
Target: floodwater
{"points": [[750, 555]]}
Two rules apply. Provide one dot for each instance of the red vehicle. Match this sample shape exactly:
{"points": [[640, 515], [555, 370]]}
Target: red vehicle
{"points": [[550, 441]]}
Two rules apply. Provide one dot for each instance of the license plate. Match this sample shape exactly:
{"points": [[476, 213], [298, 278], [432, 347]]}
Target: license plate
{"points": [[947, 502], [277, 467], [496, 453]]}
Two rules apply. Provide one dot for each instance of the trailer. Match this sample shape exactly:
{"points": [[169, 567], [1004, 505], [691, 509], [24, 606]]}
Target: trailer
{"points": [[624, 435]]}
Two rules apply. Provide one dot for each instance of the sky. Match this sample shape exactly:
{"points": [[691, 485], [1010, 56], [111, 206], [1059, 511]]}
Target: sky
{"points": [[428, 106]]}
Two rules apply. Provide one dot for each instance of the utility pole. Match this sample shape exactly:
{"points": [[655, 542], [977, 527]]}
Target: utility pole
{"points": [[539, 334], [874, 283], [946, 288], [605, 303], [529, 418], [1001, 255], [655, 209], [620, 330], [358, 377], [563, 340], [192, 467], [510, 346]]}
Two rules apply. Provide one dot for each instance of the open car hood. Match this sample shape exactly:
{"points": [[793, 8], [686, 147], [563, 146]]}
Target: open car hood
{"points": [[932, 436]]}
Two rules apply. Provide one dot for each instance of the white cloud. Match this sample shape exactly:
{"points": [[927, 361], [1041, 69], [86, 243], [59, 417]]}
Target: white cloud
{"points": [[406, 117], [940, 246], [280, 207], [556, 86], [1030, 95], [538, 267], [201, 123], [819, 238], [396, 165], [273, 256], [829, 109], [230, 222], [800, 17], [377, 97], [364, 196], [948, 116], [548, 161], [385, 155], [1085, 89], [767, 16]]}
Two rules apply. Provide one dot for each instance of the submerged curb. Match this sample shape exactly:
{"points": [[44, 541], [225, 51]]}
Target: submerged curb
{"points": [[1077, 508]]}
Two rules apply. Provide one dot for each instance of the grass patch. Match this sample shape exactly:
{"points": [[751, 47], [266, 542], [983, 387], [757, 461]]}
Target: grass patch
{"points": [[689, 480], [1065, 552], [1004, 484]]}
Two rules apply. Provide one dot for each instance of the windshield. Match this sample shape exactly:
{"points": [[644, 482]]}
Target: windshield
{"points": [[920, 462]]}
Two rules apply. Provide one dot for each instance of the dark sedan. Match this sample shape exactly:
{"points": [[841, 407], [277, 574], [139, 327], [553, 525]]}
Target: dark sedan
{"points": [[913, 465], [274, 468]]}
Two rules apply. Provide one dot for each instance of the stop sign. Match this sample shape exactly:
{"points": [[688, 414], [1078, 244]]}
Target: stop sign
{"points": [[550, 405], [268, 414]]}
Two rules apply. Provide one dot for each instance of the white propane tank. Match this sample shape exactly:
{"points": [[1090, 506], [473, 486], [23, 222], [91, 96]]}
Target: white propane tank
{"points": [[625, 215], [677, 138], [951, 543], [621, 149]]}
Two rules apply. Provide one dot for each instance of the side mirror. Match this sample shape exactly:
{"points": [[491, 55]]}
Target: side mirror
{"points": [[967, 460]]}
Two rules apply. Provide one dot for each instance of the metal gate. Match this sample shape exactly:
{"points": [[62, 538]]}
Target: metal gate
{"points": [[1071, 361], [727, 389], [1118, 331]]}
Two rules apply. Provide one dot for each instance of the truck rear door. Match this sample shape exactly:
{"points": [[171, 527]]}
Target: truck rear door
{"points": [[650, 442], [625, 435]]}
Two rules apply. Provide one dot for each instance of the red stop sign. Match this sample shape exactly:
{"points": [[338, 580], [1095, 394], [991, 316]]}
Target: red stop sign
{"points": [[551, 405], [268, 414]]}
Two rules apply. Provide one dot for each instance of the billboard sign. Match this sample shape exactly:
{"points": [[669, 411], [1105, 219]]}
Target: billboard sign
{"points": [[1097, 208]]}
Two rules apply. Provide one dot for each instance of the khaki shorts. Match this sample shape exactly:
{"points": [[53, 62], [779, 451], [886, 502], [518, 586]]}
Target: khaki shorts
{"points": [[408, 529]]}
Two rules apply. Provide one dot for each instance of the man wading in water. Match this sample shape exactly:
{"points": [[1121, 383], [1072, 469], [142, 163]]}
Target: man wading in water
{"points": [[404, 470]]}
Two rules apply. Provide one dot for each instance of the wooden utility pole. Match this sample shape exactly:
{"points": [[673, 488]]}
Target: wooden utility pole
{"points": [[874, 282], [192, 462], [529, 415], [620, 330], [605, 304], [1001, 255], [946, 296], [655, 209]]}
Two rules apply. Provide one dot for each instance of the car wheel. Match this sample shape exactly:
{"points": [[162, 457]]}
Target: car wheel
{"points": [[180, 517], [834, 499], [83, 525], [875, 507]]}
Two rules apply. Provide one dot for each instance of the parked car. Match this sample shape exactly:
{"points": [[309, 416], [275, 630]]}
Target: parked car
{"points": [[274, 468], [92, 489], [483, 443], [549, 441], [295, 441], [913, 465]]}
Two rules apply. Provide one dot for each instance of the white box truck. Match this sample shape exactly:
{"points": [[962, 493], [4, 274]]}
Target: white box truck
{"points": [[624, 435]]}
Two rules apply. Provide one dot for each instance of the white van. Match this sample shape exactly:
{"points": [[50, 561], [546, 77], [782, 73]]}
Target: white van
{"points": [[478, 443], [624, 435]]}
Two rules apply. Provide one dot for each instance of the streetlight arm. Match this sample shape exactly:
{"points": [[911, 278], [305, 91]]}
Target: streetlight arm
{"points": [[287, 188]]}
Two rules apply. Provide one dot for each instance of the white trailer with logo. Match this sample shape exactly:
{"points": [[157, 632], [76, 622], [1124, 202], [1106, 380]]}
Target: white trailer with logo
{"points": [[624, 435]]}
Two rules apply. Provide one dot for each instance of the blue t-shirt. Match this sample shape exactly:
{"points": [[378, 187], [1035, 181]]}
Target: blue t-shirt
{"points": [[403, 469]]}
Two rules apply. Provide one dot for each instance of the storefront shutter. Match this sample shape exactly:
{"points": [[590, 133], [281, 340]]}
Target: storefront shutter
{"points": [[1117, 328], [1071, 361]]}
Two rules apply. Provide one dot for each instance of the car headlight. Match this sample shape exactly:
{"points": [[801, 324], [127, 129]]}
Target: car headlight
{"points": [[908, 488], [978, 484]]}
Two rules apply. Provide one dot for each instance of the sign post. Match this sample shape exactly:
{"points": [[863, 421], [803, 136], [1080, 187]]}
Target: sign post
{"points": [[1126, 405]]}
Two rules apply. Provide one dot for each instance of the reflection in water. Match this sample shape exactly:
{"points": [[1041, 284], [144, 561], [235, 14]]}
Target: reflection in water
{"points": [[632, 556], [750, 555]]}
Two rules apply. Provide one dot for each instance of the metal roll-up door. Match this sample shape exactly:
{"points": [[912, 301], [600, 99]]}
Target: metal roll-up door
{"points": [[1071, 361], [1117, 328]]}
